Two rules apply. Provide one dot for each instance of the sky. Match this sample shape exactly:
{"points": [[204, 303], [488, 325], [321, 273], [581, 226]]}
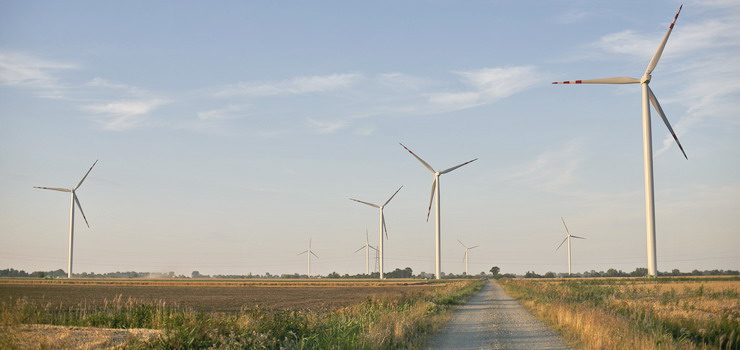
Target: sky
{"points": [[229, 135]]}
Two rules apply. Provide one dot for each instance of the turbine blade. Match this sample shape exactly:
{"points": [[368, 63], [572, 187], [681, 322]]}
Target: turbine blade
{"points": [[367, 238], [656, 104], [389, 199], [461, 243], [659, 52], [87, 173], [566, 226], [366, 203], [373, 248], [577, 237], [615, 80], [419, 159], [303, 252], [77, 201], [474, 247], [431, 198], [457, 166], [384, 228], [54, 189], [561, 243], [361, 248], [465, 255], [312, 253]]}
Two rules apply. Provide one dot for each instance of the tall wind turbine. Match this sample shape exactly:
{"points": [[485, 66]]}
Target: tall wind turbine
{"points": [[648, 97], [72, 201], [382, 226], [308, 253], [437, 210], [465, 257], [567, 238], [367, 248]]}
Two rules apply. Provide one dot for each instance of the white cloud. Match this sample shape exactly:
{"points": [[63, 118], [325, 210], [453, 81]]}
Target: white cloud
{"points": [[326, 127], [124, 115], [295, 86], [229, 112], [571, 16], [553, 170], [488, 86], [25, 70]]}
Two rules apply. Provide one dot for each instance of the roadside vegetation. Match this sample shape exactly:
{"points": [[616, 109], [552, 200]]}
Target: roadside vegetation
{"points": [[383, 322], [624, 313]]}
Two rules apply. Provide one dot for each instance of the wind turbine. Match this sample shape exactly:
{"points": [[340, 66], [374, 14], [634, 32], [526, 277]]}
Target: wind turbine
{"points": [[367, 248], [309, 252], [567, 238], [648, 97], [73, 200], [382, 226], [465, 257], [437, 210]]}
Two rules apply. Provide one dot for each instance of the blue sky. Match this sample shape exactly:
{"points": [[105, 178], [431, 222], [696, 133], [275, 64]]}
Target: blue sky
{"points": [[229, 134]]}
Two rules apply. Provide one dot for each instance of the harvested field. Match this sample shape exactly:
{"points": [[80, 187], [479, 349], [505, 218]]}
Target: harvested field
{"points": [[209, 296]]}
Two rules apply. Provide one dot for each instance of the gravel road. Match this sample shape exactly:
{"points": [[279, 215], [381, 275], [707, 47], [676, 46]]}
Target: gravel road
{"points": [[494, 320]]}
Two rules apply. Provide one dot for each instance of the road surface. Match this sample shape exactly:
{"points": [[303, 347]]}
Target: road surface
{"points": [[494, 320]]}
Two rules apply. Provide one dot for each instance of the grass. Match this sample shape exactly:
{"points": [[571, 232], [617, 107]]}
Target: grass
{"points": [[399, 322], [679, 313]]}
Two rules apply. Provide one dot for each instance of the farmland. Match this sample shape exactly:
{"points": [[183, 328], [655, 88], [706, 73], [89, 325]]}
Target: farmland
{"points": [[245, 313], [637, 313]]}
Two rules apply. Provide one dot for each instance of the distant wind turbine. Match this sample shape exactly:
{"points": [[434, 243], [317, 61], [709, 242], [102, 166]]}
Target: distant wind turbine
{"points": [[567, 238], [309, 252], [648, 97], [382, 226], [437, 210], [73, 201], [367, 248], [465, 257]]}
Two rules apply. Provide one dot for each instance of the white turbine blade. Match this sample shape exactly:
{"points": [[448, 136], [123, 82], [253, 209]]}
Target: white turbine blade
{"points": [[659, 52], [457, 166], [561, 243], [431, 198], [384, 228], [312, 253], [367, 238], [389, 199], [566, 226], [87, 173], [461, 243], [81, 211], [54, 189], [656, 104], [373, 248], [419, 159], [361, 248], [474, 247], [366, 203], [577, 237], [615, 80], [303, 252]]}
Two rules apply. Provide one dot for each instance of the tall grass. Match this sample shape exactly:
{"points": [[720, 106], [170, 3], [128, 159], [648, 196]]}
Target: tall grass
{"points": [[400, 322], [620, 314]]}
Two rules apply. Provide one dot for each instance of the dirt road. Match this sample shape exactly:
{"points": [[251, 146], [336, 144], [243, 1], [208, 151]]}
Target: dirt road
{"points": [[493, 320]]}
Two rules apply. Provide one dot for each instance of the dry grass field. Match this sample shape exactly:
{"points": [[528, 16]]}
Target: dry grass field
{"points": [[637, 313], [195, 314]]}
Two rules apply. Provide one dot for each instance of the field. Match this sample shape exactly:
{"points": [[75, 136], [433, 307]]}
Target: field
{"points": [[209, 296], [637, 313], [261, 314]]}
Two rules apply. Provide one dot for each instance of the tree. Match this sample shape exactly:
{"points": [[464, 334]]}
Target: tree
{"points": [[195, 274], [494, 271]]}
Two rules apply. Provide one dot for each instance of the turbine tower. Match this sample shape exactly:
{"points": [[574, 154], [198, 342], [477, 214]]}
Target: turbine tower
{"points": [[648, 97], [309, 252], [72, 201], [437, 210], [382, 226], [567, 238], [465, 257], [367, 248]]}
